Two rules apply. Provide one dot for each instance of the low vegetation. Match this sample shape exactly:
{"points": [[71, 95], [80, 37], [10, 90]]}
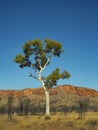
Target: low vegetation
{"points": [[59, 121], [69, 111]]}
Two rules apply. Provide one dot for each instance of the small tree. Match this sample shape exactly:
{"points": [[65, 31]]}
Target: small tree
{"points": [[83, 106], [27, 103], [20, 106], [37, 55], [10, 106]]}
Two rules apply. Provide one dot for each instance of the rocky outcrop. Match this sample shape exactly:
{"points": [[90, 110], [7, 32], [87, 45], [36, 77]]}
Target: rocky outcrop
{"points": [[62, 88], [75, 90]]}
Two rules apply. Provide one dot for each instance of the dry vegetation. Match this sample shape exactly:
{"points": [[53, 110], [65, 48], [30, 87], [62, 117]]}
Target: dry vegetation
{"points": [[59, 121], [66, 106]]}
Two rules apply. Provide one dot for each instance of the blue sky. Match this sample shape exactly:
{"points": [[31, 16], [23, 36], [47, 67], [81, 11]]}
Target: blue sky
{"points": [[74, 23]]}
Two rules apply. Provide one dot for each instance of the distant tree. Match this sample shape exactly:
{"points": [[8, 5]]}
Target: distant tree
{"points": [[20, 106], [10, 106], [3, 109], [27, 103], [37, 55], [21, 109], [83, 106]]}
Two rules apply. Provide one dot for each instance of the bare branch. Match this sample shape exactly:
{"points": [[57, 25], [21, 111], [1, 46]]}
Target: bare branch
{"points": [[31, 75]]}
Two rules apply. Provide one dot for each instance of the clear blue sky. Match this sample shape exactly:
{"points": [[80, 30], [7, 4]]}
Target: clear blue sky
{"points": [[74, 23]]}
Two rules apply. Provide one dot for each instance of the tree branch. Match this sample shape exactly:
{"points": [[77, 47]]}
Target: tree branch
{"points": [[46, 63], [31, 75]]}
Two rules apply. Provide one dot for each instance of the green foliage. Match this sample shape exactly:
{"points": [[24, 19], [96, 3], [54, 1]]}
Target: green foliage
{"points": [[20, 59], [51, 80], [65, 74], [37, 53], [53, 47]]}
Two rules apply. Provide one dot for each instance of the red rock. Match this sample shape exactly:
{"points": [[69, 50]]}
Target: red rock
{"points": [[63, 88]]}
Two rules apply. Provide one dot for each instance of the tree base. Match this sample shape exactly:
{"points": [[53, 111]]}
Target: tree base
{"points": [[47, 117]]}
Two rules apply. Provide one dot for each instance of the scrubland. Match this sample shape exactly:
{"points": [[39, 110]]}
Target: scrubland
{"points": [[59, 121]]}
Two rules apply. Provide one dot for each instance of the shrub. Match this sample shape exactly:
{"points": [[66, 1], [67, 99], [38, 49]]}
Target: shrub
{"points": [[92, 122]]}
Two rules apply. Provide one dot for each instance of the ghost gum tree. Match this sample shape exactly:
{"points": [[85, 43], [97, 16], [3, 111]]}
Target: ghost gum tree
{"points": [[37, 54]]}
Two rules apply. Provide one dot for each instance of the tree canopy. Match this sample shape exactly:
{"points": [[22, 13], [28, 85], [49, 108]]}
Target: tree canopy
{"points": [[37, 55]]}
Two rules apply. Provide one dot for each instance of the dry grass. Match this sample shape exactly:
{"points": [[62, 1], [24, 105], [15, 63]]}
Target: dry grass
{"points": [[57, 122]]}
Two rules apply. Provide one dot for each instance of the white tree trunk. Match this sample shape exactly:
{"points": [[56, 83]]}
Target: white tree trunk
{"points": [[47, 103], [46, 91], [47, 98]]}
